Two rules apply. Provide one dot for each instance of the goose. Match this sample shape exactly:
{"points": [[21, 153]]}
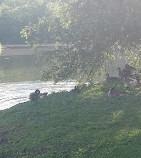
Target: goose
{"points": [[76, 89], [128, 80], [112, 79], [43, 95], [126, 72], [35, 95], [130, 68], [135, 82], [115, 93], [120, 73]]}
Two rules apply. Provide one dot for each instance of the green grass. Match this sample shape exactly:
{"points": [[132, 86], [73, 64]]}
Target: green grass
{"points": [[68, 125]]}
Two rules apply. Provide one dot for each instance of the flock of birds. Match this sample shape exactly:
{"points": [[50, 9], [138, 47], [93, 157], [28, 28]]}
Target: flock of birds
{"points": [[127, 76], [37, 94]]}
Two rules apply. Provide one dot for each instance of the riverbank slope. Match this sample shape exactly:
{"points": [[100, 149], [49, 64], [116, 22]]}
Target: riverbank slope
{"points": [[71, 125]]}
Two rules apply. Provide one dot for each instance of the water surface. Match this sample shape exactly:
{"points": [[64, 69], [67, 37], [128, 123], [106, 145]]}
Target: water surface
{"points": [[18, 92]]}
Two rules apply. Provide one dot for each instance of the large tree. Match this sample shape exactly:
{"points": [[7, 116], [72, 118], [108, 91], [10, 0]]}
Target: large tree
{"points": [[93, 32]]}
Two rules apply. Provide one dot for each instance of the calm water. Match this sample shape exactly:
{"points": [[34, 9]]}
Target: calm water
{"points": [[18, 92], [19, 68], [19, 76]]}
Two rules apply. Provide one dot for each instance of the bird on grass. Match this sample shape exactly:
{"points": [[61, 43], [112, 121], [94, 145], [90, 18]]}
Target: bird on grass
{"points": [[126, 72], [135, 82], [35, 95], [120, 73], [130, 68], [76, 89], [114, 93], [112, 79]]}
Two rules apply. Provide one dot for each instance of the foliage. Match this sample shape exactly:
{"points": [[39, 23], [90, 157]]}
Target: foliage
{"points": [[93, 32], [17, 14]]}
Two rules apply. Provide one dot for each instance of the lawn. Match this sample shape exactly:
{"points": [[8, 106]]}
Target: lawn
{"points": [[70, 125]]}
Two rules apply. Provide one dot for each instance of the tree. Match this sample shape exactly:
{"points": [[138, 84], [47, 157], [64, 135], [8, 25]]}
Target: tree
{"points": [[17, 14], [92, 31], [0, 48]]}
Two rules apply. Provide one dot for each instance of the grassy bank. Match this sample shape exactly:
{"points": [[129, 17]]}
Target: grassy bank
{"points": [[68, 125]]}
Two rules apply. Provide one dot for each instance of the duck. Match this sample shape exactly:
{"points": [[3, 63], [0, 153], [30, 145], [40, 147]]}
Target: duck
{"points": [[115, 93], [112, 79], [35, 95]]}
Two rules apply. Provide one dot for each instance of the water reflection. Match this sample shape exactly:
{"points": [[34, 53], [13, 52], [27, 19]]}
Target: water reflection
{"points": [[18, 92], [19, 68]]}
